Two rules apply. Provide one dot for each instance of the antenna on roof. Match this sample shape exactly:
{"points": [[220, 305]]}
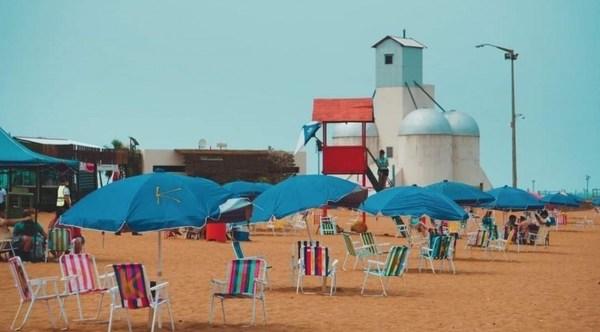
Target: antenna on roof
{"points": [[403, 33]]}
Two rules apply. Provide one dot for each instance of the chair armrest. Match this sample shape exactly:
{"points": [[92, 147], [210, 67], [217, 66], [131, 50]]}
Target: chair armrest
{"points": [[218, 281], [41, 281], [160, 286]]}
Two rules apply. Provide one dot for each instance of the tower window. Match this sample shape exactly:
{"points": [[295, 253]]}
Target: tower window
{"points": [[389, 59], [389, 151]]}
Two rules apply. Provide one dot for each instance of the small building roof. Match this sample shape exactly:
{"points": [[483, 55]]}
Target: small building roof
{"points": [[55, 141], [343, 110], [405, 42]]}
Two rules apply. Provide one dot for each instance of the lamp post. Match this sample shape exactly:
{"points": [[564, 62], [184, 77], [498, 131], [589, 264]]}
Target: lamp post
{"points": [[533, 185], [587, 186], [512, 56]]}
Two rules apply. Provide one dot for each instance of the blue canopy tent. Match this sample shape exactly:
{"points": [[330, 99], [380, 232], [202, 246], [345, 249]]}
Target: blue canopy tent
{"points": [[15, 159]]}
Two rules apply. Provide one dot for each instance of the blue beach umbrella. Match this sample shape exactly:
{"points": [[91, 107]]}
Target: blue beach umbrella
{"points": [[515, 199], [149, 202], [413, 201], [303, 192], [559, 199], [596, 202], [461, 193]]}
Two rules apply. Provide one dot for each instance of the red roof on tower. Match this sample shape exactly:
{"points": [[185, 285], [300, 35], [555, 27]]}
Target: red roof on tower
{"points": [[343, 110]]}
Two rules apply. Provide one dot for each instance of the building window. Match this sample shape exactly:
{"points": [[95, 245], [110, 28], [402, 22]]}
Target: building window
{"points": [[389, 59], [389, 152]]}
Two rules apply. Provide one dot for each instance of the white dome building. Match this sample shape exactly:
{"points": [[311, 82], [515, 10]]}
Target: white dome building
{"points": [[425, 148]]}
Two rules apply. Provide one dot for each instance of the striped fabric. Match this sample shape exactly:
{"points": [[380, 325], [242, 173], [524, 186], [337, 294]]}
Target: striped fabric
{"points": [[59, 239], [368, 240], [302, 244], [440, 245], [132, 285], [242, 273], [237, 249], [479, 239], [395, 262], [327, 226], [82, 266], [21, 279], [316, 261]]}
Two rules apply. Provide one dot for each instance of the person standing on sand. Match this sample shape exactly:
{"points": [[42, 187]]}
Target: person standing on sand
{"points": [[63, 197], [382, 169]]}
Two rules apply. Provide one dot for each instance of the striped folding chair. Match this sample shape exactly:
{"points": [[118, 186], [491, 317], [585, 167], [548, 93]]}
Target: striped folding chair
{"points": [[296, 253], [327, 226], [80, 275], [59, 240], [239, 254], [359, 252], [32, 290], [245, 279], [394, 266], [441, 248], [133, 292], [368, 240], [315, 261]]}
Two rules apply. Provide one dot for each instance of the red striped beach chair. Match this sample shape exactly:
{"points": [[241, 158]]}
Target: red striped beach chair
{"points": [[315, 261], [245, 279], [133, 292], [80, 275], [296, 253], [32, 290], [394, 266]]}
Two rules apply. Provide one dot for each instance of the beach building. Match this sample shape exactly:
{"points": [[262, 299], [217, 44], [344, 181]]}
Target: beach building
{"points": [[424, 145]]}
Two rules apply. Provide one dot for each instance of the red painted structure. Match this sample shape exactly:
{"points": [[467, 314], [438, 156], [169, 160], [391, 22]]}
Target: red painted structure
{"points": [[348, 159]]}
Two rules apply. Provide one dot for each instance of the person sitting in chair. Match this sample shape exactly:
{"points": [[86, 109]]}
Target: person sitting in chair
{"points": [[29, 237]]}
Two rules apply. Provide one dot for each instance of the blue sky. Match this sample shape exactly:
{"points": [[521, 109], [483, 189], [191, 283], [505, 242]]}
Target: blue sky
{"points": [[246, 73]]}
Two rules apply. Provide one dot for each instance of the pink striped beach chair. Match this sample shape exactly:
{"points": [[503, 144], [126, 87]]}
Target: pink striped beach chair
{"points": [[80, 275], [32, 290], [133, 292], [315, 261], [245, 279]]}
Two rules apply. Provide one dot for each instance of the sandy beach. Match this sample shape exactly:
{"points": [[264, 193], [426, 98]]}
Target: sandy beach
{"points": [[553, 289]]}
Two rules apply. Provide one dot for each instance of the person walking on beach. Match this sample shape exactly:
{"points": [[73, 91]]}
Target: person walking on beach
{"points": [[382, 169], [63, 197]]}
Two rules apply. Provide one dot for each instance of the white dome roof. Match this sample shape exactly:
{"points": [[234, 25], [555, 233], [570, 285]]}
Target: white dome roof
{"points": [[424, 121], [352, 129], [462, 124]]}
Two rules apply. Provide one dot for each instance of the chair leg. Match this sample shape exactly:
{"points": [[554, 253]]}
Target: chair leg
{"points": [[383, 285], [50, 313], [128, 320], [362, 291], [253, 311], [110, 317], [346, 259], [171, 315], [262, 299], [212, 309], [223, 311]]}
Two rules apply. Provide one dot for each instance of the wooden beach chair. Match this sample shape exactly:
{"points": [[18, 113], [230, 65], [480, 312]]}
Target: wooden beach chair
{"points": [[80, 275], [245, 279], [394, 266], [315, 261], [33, 290], [133, 292]]}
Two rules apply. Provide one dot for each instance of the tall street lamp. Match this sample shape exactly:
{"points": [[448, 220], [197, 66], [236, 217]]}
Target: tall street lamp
{"points": [[512, 56]]}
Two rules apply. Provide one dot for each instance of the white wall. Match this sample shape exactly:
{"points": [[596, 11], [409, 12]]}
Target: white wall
{"points": [[465, 162], [425, 159], [160, 157]]}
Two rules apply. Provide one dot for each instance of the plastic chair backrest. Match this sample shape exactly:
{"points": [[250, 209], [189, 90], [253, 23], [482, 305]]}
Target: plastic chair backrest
{"points": [[133, 287], [316, 261], [84, 267], [59, 239], [21, 278], [396, 261], [301, 244], [242, 274], [368, 240]]}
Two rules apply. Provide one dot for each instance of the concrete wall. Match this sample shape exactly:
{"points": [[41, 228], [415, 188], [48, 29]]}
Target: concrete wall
{"points": [[153, 158], [407, 65]]}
